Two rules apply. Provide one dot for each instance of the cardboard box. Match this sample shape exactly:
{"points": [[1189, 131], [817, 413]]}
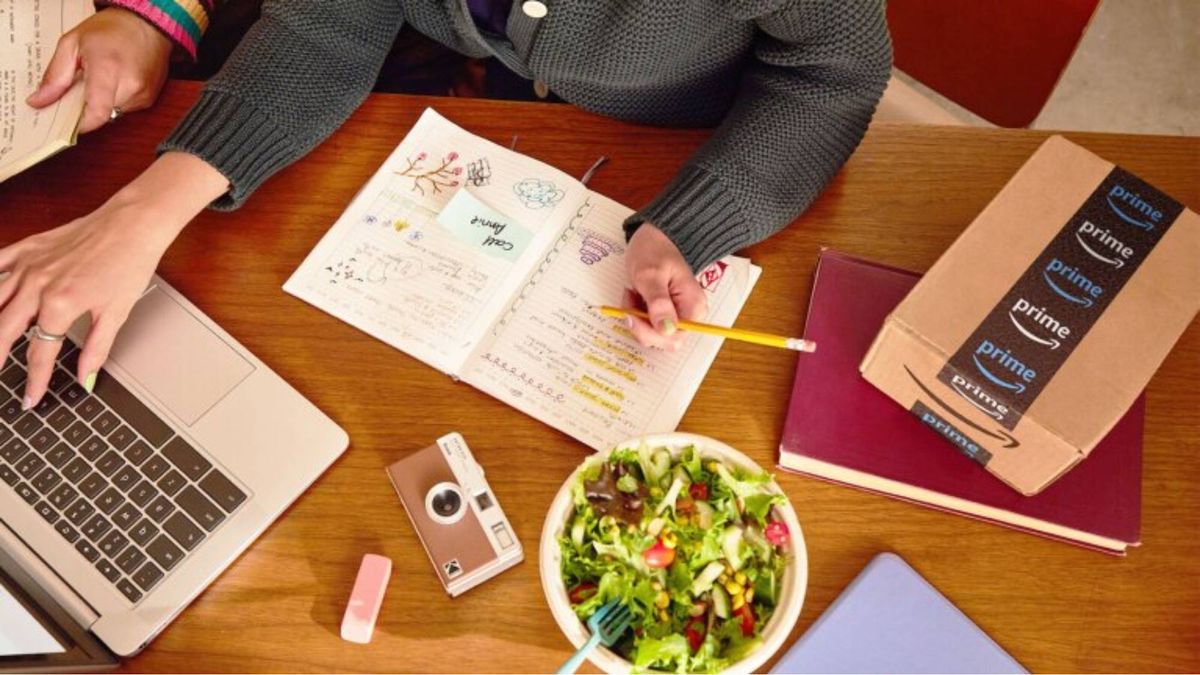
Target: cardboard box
{"points": [[1034, 333]]}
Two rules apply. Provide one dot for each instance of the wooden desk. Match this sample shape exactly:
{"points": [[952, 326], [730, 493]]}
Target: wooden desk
{"points": [[902, 199]]}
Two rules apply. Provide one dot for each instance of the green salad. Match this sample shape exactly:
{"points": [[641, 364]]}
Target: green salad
{"points": [[694, 547]]}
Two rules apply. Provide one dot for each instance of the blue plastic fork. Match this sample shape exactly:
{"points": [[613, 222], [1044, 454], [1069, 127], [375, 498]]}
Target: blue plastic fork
{"points": [[607, 625]]}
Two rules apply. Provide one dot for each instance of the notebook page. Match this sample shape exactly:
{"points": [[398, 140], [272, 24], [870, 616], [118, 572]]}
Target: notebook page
{"points": [[557, 360], [437, 242]]}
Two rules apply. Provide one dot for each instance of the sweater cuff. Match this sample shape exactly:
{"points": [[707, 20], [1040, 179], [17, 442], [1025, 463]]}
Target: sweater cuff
{"points": [[182, 21], [236, 139], [698, 214]]}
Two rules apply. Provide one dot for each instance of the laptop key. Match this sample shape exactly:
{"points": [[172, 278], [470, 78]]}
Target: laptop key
{"points": [[69, 358], [155, 467], [109, 570], [143, 493], [171, 483], [93, 448], [131, 593], [43, 439], [60, 454], [96, 527], [125, 478], [160, 508], [80, 511], [27, 493], [109, 463], [76, 469], [63, 496], [47, 405], [28, 425], [143, 532], [66, 531], [105, 423], [14, 450], [11, 410], [76, 434], [89, 408], [18, 351], [8, 475], [133, 411], [223, 491], [138, 453], [200, 508], [46, 480], [62, 418], [125, 516], [93, 485], [110, 501], [165, 553], [60, 379], [5, 434], [183, 531], [147, 576], [73, 395], [185, 457], [47, 512], [113, 543], [29, 466], [87, 550], [14, 378], [122, 437], [130, 559]]}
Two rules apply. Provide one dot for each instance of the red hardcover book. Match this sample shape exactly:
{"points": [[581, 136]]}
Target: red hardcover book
{"points": [[842, 429]]}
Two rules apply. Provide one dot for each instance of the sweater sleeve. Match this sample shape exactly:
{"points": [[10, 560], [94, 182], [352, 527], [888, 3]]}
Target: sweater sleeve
{"points": [[296, 76], [818, 70], [182, 21]]}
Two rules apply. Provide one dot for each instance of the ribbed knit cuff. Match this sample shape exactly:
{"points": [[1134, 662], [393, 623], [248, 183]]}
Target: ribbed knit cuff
{"points": [[242, 143], [698, 214]]}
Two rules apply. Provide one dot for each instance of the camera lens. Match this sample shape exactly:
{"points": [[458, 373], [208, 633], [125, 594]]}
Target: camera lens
{"points": [[446, 503]]}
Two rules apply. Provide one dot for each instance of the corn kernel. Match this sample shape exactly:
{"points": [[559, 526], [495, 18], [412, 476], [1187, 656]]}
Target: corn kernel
{"points": [[662, 615], [656, 492], [749, 594], [734, 588], [669, 540], [724, 578], [656, 585], [740, 578], [712, 467], [738, 601], [662, 600]]}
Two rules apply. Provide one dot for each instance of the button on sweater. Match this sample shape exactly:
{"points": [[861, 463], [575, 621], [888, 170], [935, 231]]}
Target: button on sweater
{"points": [[788, 85]]}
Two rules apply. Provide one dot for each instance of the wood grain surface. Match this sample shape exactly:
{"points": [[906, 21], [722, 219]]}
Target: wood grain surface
{"points": [[901, 199]]}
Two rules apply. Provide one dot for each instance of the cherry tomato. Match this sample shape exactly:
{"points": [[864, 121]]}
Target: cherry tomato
{"points": [[581, 593], [699, 491], [659, 556], [777, 533], [695, 633], [746, 614]]}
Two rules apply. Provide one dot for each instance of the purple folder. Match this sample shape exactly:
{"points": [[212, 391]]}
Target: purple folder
{"points": [[891, 620]]}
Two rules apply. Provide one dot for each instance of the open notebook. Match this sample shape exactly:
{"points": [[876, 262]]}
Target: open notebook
{"points": [[484, 264]]}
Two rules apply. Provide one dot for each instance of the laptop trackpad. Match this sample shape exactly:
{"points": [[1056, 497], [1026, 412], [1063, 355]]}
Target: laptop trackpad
{"points": [[179, 360]]}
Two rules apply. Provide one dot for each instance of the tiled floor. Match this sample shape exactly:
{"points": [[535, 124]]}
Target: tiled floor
{"points": [[1137, 70]]}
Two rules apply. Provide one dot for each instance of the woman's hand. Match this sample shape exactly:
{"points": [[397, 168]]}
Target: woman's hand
{"points": [[98, 265], [124, 61], [664, 285]]}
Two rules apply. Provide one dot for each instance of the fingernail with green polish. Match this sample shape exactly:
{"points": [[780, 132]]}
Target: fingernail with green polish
{"points": [[667, 326], [89, 382]]}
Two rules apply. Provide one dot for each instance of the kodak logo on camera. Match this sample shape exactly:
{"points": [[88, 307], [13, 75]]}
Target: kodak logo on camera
{"points": [[455, 514], [1034, 333]]}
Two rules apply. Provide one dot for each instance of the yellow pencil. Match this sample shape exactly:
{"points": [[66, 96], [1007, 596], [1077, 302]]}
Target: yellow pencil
{"points": [[797, 344]]}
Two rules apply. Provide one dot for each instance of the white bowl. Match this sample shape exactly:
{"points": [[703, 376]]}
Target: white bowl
{"points": [[795, 578]]}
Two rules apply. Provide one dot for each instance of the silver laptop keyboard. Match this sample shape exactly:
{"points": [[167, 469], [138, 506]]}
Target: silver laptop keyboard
{"points": [[109, 475]]}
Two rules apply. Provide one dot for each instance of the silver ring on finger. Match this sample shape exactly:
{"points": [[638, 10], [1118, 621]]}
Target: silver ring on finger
{"points": [[35, 332], [116, 113]]}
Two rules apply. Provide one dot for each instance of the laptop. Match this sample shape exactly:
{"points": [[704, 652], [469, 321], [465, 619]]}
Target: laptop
{"points": [[117, 508]]}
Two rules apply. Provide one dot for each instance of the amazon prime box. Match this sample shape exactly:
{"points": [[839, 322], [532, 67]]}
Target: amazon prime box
{"points": [[1034, 333]]}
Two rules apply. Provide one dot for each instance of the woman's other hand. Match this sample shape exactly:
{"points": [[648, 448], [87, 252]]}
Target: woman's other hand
{"points": [[123, 60], [663, 284], [98, 265]]}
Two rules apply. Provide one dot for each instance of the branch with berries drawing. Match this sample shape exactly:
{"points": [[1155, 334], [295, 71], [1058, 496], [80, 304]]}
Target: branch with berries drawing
{"points": [[433, 179]]}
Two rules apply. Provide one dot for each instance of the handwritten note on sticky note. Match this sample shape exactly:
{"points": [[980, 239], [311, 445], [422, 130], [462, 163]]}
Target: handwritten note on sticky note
{"points": [[483, 227]]}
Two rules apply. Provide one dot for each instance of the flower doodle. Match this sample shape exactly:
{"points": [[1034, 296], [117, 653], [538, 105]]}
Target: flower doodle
{"points": [[432, 178], [538, 194]]}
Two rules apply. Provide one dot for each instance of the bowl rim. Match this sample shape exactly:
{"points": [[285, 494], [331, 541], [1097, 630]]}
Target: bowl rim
{"points": [[777, 630]]}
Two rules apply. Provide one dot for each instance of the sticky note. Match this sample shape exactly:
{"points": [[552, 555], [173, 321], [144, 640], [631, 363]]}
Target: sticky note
{"points": [[483, 228]]}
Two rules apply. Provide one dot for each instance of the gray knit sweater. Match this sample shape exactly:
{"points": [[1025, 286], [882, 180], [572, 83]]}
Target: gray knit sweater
{"points": [[790, 86]]}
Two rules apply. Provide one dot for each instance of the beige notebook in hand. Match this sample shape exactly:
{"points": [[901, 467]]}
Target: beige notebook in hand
{"points": [[484, 264], [29, 32]]}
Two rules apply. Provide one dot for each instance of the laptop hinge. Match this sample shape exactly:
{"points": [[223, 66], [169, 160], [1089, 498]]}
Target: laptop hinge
{"points": [[53, 584]]}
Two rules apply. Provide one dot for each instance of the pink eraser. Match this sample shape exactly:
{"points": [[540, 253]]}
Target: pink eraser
{"points": [[366, 599]]}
